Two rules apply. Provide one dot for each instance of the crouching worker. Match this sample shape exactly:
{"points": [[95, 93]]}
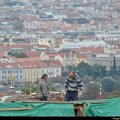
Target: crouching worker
{"points": [[73, 86], [43, 88]]}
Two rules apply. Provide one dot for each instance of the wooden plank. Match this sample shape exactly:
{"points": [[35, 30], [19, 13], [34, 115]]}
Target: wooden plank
{"points": [[98, 102], [11, 109], [56, 102]]}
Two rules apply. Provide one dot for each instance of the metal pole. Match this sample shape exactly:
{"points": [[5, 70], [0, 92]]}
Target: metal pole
{"points": [[30, 87], [11, 82]]}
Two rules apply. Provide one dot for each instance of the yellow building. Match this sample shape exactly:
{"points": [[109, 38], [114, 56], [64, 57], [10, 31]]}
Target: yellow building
{"points": [[34, 70], [31, 71]]}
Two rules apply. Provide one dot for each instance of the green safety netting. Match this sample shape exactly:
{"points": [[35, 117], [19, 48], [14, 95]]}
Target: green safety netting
{"points": [[106, 108], [38, 109], [11, 105]]}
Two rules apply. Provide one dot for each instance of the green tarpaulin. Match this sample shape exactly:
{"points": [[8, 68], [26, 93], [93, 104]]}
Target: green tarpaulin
{"points": [[109, 107], [38, 109], [11, 105], [105, 107]]}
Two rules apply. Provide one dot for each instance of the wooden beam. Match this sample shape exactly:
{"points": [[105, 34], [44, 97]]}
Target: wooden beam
{"points": [[11, 109], [56, 102]]}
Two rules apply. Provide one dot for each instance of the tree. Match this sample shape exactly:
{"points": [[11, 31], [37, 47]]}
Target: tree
{"points": [[84, 69], [113, 94], [91, 92], [21, 55], [18, 55], [87, 79], [28, 89], [53, 88], [118, 72], [64, 74], [58, 79], [71, 68], [98, 70], [113, 69], [109, 84]]}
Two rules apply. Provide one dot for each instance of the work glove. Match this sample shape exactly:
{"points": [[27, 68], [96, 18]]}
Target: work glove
{"points": [[79, 93]]}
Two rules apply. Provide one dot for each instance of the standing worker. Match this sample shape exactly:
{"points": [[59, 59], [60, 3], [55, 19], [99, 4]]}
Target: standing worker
{"points": [[43, 88], [73, 85]]}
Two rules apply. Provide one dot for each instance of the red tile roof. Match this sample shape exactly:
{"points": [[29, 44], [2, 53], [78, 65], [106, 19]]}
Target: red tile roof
{"points": [[1, 95], [44, 46], [21, 46], [92, 49], [52, 54], [5, 48], [1, 54], [66, 53], [10, 64], [30, 64], [34, 59], [33, 53], [82, 55], [62, 54]]}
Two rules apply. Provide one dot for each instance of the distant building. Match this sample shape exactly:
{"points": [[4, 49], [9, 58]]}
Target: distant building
{"points": [[85, 44], [103, 59], [2, 2], [30, 70], [67, 58], [20, 48], [111, 37], [14, 69], [81, 57]]}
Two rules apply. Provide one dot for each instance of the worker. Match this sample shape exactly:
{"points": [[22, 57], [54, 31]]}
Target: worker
{"points": [[43, 88], [73, 87]]}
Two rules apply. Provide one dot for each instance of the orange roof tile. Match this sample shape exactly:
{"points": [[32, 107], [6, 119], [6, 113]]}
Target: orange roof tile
{"points": [[92, 49], [81, 55], [21, 46], [33, 53], [28, 59], [1, 54]]}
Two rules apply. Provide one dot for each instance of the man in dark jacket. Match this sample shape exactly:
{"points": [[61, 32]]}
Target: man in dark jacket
{"points": [[43, 88], [73, 86]]}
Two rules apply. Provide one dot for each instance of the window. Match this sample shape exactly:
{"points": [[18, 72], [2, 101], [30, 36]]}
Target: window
{"points": [[21, 77], [16, 71], [21, 71], [9, 71], [3, 77], [4, 72], [42, 71], [57, 70], [17, 77]]}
